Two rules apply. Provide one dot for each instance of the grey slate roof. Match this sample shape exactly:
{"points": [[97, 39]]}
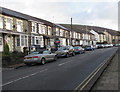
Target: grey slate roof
{"points": [[16, 14], [76, 28]]}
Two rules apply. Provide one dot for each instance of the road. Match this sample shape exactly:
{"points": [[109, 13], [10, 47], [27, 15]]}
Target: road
{"points": [[63, 74]]}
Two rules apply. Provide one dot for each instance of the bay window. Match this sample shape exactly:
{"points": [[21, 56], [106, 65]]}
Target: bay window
{"points": [[22, 40], [18, 41], [33, 40]]}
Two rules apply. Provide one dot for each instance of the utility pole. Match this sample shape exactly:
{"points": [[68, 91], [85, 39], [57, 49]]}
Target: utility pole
{"points": [[71, 33], [86, 35]]}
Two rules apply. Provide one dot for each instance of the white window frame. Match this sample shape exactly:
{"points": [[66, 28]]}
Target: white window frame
{"points": [[35, 27], [49, 30], [61, 32], [32, 40], [40, 28], [1, 22], [43, 29], [57, 31], [9, 23], [19, 25], [19, 41]]}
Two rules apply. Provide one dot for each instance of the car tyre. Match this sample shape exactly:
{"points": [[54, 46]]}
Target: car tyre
{"points": [[67, 55], [73, 53], [43, 61], [55, 58]]}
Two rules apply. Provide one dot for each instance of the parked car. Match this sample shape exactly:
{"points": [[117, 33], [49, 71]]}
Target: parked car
{"points": [[117, 45], [100, 46], [79, 50], [65, 51], [39, 57], [89, 48]]}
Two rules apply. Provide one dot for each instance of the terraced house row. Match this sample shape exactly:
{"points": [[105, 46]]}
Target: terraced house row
{"points": [[21, 30]]}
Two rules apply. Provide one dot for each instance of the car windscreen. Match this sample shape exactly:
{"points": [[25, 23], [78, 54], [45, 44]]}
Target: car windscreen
{"points": [[76, 47], [63, 48], [46, 52], [37, 52]]}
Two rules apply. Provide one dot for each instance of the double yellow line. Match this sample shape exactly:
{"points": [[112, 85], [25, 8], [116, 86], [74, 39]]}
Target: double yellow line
{"points": [[89, 78]]}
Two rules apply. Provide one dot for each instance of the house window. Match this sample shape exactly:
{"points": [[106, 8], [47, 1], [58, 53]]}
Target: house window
{"points": [[19, 26], [26, 40], [34, 27], [66, 33], [1, 22], [57, 31], [40, 28], [74, 35], [51, 42], [22, 40], [79, 36], [37, 40], [41, 41], [49, 30], [1, 43], [61, 32], [18, 41], [43, 29], [9, 24], [70, 34], [33, 40]]}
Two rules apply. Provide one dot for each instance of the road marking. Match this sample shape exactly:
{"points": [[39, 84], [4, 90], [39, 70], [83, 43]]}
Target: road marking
{"points": [[91, 77], [23, 77], [88, 77], [63, 63], [94, 72]]}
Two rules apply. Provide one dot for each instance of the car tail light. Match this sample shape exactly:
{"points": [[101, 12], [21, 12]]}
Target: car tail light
{"points": [[35, 57]]}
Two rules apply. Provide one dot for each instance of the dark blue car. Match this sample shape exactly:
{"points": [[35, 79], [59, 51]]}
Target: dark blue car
{"points": [[89, 48]]}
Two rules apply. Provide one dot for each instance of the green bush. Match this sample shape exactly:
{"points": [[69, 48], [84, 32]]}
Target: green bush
{"points": [[12, 59], [6, 49]]}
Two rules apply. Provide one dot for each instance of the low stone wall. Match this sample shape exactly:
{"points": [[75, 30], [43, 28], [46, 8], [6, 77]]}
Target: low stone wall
{"points": [[12, 59]]}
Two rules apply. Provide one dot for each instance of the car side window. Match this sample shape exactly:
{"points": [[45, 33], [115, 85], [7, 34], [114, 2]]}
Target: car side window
{"points": [[46, 52]]}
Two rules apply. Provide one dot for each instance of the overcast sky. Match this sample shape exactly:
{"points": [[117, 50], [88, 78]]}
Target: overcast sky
{"points": [[103, 13]]}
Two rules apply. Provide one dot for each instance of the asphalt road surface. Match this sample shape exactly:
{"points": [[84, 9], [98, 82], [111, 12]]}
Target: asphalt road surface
{"points": [[63, 74]]}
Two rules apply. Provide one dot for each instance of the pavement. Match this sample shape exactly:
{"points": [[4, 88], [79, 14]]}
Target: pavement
{"points": [[109, 79], [64, 74], [16, 66]]}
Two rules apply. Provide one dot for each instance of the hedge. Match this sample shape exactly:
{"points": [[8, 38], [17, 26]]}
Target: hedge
{"points": [[12, 59]]}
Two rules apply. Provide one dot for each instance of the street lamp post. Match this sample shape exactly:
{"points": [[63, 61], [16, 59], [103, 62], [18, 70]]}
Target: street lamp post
{"points": [[86, 34], [71, 33]]}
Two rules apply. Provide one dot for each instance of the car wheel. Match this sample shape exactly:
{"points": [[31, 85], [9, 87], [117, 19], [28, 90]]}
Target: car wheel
{"points": [[67, 55], [73, 53], [55, 58], [42, 61]]}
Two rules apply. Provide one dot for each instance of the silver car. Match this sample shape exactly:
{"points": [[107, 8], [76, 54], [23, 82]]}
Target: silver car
{"points": [[39, 57]]}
